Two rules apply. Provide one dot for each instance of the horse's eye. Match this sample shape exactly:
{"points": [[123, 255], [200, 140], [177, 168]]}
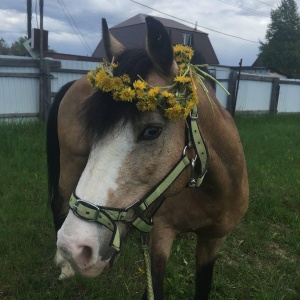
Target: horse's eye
{"points": [[150, 133]]}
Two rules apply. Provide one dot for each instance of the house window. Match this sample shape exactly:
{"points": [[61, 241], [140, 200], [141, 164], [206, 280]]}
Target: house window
{"points": [[187, 39]]}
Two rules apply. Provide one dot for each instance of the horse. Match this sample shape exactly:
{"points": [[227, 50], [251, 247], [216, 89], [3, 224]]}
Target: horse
{"points": [[114, 166]]}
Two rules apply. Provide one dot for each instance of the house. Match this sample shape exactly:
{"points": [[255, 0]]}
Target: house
{"points": [[131, 33]]}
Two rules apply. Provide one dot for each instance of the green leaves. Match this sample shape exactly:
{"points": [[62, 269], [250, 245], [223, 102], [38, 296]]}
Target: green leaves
{"points": [[281, 51]]}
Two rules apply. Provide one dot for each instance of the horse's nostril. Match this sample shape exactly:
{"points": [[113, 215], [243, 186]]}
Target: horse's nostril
{"points": [[86, 255]]}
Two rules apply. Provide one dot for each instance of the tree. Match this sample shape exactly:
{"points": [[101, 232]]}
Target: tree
{"points": [[4, 49], [282, 48], [17, 48]]}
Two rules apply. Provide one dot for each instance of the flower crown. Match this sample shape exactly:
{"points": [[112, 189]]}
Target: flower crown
{"points": [[176, 101]]}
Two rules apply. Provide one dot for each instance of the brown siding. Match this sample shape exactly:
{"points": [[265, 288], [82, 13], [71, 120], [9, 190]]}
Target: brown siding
{"points": [[204, 46], [130, 37]]}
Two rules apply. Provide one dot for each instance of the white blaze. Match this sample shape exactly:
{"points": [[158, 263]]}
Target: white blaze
{"points": [[104, 165]]}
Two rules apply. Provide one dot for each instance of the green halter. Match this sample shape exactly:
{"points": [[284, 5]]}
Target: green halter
{"points": [[108, 217]]}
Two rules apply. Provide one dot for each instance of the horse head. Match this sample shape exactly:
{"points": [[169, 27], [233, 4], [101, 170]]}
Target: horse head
{"points": [[131, 152]]}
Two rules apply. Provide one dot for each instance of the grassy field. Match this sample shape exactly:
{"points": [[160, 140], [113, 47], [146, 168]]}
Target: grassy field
{"points": [[260, 260]]}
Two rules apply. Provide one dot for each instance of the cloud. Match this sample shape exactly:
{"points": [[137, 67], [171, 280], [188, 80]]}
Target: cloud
{"points": [[12, 19], [217, 15]]}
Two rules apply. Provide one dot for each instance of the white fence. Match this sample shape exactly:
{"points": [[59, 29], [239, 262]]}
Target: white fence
{"points": [[20, 87], [20, 83], [289, 97], [257, 94], [69, 71]]}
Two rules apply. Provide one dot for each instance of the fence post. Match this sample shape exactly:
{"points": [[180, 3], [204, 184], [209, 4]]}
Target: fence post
{"points": [[42, 77], [274, 95], [47, 89], [231, 101]]}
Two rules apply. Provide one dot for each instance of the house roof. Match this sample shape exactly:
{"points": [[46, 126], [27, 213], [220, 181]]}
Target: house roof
{"points": [[132, 33], [140, 18], [258, 62]]}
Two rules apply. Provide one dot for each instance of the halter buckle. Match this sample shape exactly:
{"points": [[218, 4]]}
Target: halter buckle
{"points": [[89, 206], [194, 115]]}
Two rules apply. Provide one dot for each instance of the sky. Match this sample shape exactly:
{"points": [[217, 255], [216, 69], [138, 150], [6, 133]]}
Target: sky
{"points": [[75, 25]]}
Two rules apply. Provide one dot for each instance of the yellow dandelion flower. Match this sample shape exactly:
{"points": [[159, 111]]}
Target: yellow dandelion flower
{"points": [[152, 103], [125, 78], [178, 48], [118, 83], [141, 106], [182, 79], [170, 99], [166, 94], [146, 104], [183, 53], [139, 84], [175, 112], [127, 94], [105, 84], [116, 96], [189, 53], [181, 68], [153, 92], [100, 76], [140, 94], [152, 106]]}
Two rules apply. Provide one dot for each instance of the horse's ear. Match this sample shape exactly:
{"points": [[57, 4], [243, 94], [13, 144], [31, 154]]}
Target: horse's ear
{"points": [[159, 47], [112, 46]]}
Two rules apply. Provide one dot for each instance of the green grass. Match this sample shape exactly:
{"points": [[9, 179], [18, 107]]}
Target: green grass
{"points": [[260, 260]]}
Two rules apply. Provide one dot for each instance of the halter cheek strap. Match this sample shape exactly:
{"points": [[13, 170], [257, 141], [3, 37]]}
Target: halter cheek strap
{"points": [[197, 143], [108, 217]]}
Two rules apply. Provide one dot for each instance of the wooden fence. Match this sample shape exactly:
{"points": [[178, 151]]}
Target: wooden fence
{"points": [[20, 85]]}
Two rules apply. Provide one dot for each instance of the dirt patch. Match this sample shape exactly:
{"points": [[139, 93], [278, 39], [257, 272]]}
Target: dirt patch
{"points": [[280, 252]]}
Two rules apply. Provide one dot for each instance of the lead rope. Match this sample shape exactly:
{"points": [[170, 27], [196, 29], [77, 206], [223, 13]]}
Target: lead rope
{"points": [[147, 261]]}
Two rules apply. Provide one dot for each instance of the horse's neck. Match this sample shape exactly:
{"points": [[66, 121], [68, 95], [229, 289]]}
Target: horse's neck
{"points": [[222, 140]]}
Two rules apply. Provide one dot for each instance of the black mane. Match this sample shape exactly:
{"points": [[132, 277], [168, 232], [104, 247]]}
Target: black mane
{"points": [[100, 113]]}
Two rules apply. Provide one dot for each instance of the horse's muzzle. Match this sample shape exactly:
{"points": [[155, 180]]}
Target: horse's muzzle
{"points": [[83, 255]]}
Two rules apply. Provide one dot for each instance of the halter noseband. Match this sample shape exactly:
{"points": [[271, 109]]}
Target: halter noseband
{"points": [[108, 217]]}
